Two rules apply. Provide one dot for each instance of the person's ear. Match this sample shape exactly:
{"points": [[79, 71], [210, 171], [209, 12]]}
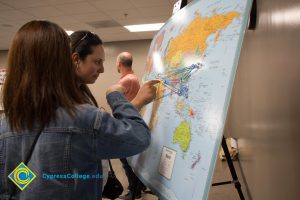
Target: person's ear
{"points": [[75, 58]]}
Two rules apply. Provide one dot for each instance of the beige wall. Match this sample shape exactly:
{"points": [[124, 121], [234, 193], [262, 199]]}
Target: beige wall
{"points": [[265, 112], [3, 57], [139, 49]]}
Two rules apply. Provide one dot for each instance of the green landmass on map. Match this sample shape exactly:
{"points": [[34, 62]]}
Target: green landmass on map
{"points": [[182, 135]]}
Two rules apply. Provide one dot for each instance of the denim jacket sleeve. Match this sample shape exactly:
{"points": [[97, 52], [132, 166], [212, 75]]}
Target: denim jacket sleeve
{"points": [[123, 135]]}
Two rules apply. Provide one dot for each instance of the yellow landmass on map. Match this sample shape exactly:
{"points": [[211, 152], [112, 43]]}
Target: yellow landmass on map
{"points": [[217, 36], [179, 105], [182, 135], [176, 58], [196, 34]]}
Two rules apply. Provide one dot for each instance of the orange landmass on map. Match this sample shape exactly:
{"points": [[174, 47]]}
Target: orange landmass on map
{"points": [[196, 34]]}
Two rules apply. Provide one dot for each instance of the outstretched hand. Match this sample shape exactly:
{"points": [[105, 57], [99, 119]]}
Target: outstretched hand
{"points": [[146, 94]]}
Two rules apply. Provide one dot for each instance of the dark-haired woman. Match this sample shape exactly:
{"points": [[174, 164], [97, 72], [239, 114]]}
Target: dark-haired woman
{"points": [[88, 57]]}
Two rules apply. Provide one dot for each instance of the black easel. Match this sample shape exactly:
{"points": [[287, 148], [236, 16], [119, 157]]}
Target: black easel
{"points": [[235, 179], [136, 186], [253, 16]]}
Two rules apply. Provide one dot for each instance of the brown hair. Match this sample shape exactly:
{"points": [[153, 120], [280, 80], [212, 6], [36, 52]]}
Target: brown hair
{"points": [[40, 76], [89, 97]]}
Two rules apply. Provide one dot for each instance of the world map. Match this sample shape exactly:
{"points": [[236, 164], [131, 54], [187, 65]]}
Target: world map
{"points": [[194, 56]]}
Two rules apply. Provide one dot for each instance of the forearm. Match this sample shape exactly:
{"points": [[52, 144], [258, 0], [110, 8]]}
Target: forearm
{"points": [[137, 104], [125, 134]]}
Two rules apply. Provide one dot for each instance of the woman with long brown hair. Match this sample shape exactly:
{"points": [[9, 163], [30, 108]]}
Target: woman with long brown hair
{"points": [[50, 126]]}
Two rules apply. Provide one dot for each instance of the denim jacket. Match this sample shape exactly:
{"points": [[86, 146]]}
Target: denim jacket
{"points": [[72, 146]]}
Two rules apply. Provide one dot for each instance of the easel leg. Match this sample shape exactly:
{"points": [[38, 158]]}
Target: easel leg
{"points": [[232, 169], [136, 188]]}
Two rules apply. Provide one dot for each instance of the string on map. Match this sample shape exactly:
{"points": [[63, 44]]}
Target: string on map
{"points": [[178, 77]]}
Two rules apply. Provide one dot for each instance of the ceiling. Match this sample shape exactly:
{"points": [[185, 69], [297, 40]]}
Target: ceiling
{"points": [[85, 15]]}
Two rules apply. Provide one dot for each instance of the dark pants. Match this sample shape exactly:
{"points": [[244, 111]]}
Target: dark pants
{"points": [[133, 180]]}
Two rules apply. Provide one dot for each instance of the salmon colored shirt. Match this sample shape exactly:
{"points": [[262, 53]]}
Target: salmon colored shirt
{"points": [[131, 84]]}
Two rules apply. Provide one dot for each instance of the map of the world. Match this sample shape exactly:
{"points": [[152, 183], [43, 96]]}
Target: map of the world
{"points": [[195, 56]]}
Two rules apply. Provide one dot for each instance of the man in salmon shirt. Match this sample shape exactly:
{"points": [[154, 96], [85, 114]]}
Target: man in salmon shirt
{"points": [[131, 84]]}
